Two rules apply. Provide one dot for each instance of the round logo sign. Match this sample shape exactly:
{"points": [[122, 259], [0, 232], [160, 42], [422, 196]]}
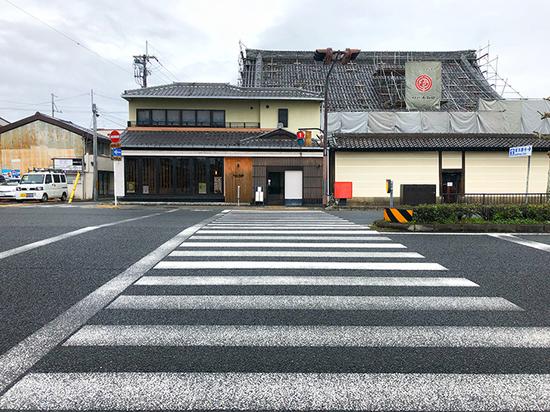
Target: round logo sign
{"points": [[423, 83]]}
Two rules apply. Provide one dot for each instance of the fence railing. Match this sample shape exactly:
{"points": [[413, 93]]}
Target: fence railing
{"points": [[496, 198]]}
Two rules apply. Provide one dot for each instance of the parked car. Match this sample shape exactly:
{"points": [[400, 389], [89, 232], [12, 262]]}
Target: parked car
{"points": [[8, 188], [42, 185]]}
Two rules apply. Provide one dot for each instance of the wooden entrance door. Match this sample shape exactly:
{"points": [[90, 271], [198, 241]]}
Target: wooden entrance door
{"points": [[238, 173], [451, 185]]}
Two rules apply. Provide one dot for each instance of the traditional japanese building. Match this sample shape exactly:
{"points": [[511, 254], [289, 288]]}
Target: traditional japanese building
{"points": [[215, 142]]}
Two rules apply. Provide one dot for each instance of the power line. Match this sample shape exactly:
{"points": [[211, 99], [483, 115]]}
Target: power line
{"points": [[78, 43]]}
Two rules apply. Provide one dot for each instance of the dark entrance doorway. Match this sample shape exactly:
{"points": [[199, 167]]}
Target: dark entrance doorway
{"points": [[275, 188], [451, 185]]}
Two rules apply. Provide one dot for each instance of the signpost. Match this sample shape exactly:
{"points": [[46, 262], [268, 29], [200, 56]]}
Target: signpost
{"points": [[116, 155], [522, 151]]}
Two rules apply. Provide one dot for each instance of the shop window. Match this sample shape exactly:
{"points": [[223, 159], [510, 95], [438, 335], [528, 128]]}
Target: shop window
{"points": [[165, 175], [283, 117], [184, 174], [216, 175], [130, 174], [148, 176], [202, 168]]}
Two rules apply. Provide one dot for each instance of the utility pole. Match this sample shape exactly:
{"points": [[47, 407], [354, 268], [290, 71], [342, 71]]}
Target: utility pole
{"points": [[54, 107], [140, 66], [94, 120]]}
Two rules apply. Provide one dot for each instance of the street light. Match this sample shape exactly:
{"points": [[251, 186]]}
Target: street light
{"points": [[329, 56]]}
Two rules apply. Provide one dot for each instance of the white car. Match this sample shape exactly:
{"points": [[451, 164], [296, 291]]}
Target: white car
{"points": [[8, 188], [42, 186]]}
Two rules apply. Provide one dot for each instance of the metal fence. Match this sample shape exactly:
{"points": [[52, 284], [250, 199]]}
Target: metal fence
{"points": [[496, 198]]}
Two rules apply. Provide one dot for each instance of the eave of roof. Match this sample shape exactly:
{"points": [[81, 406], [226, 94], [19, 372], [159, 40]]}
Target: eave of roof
{"points": [[53, 121], [434, 141]]}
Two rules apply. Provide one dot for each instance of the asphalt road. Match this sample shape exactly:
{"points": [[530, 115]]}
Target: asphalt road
{"points": [[328, 315]]}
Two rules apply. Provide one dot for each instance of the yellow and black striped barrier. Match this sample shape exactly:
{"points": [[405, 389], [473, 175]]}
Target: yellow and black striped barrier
{"points": [[398, 215]]}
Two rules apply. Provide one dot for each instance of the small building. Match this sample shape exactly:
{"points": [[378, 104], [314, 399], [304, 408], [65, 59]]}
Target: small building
{"points": [[216, 142], [42, 141], [455, 164]]}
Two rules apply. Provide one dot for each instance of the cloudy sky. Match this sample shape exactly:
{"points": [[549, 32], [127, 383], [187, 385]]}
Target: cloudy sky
{"points": [[70, 47]]}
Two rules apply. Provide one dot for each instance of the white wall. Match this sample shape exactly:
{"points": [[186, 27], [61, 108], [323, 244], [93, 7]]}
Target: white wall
{"points": [[369, 170], [495, 172]]}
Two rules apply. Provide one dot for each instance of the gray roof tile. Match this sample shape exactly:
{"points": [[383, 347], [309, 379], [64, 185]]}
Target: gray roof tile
{"points": [[221, 90], [373, 142]]}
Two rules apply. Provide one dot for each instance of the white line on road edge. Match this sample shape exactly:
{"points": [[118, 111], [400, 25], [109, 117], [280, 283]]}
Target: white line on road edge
{"points": [[311, 302], [44, 242], [296, 245], [297, 232], [397, 281], [276, 264], [294, 253], [280, 391], [312, 336], [524, 242], [260, 237], [24, 355]]}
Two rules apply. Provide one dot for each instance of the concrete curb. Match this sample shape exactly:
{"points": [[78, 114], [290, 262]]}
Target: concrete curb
{"points": [[465, 227]]}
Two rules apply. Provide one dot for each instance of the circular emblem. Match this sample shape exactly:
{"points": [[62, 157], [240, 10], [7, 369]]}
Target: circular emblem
{"points": [[423, 83]]}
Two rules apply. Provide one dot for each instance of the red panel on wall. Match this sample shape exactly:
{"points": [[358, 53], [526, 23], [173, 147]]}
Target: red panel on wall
{"points": [[343, 190]]}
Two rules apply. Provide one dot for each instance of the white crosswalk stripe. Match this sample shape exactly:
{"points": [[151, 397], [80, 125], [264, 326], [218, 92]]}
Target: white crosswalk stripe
{"points": [[248, 273]]}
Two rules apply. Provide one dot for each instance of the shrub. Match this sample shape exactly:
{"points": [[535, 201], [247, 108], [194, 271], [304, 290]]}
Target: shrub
{"points": [[457, 213]]}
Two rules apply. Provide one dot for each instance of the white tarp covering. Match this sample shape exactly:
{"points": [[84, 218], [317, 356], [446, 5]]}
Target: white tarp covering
{"points": [[435, 122], [464, 122], [408, 122], [494, 116], [355, 122], [381, 122]]}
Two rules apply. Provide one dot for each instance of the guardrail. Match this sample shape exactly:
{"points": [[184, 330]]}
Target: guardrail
{"points": [[496, 198]]}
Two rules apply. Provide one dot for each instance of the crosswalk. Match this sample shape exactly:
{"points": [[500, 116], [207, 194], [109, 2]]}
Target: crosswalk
{"points": [[295, 310]]}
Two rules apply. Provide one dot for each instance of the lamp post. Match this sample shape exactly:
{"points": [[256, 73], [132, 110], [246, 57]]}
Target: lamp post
{"points": [[328, 56]]}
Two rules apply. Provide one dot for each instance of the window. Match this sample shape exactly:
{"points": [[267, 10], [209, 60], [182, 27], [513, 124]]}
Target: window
{"points": [[56, 179], [63, 179], [283, 117], [184, 175], [48, 179], [173, 118], [143, 117], [176, 117], [188, 118], [159, 117], [149, 174], [166, 176], [130, 172], [203, 118], [218, 118]]}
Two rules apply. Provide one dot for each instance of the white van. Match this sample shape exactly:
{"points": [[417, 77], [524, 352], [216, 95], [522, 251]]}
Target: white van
{"points": [[42, 185]]}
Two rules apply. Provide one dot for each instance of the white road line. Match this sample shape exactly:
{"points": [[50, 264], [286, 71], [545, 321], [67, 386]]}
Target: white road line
{"points": [[285, 226], [276, 264], [293, 231], [309, 302], [24, 355], [280, 391], [294, 253], [387, 281], [287, 245], [312, 336], [524, 242], [50, 240], [292, 237]]}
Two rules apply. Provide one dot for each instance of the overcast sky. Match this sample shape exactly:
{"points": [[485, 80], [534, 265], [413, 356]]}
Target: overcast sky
{"points": [[198, 40]]}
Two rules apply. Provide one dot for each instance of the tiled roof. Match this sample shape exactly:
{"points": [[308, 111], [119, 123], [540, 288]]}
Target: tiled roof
{"points": [[226, 139], [221, 90], [373, 82], [374, 142]]}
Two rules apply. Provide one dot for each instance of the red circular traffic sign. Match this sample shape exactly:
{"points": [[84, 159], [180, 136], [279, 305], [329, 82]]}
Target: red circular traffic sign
{"points": [[114, 136]]}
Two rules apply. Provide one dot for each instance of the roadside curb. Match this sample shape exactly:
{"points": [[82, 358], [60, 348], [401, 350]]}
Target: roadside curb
{"points": [[464, 227]]}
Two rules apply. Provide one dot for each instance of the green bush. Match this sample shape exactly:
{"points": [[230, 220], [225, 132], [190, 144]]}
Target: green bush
{"points": [[458, 213]]}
